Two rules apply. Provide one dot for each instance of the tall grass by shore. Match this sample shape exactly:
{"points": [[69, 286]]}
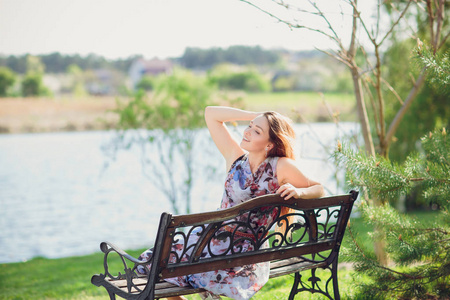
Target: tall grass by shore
{"points": [[19, 115]]}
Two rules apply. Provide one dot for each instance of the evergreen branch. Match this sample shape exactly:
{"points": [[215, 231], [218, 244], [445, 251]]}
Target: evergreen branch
{"points": [[355, 242], [436, 229], [376, 264], [378, 166]]}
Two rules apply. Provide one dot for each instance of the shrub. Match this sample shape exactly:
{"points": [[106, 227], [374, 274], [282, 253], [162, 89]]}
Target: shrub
{"points": [[225, 77], [7, 79]]}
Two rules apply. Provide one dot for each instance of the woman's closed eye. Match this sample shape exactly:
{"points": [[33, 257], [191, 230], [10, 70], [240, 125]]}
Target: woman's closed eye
{"points": [[257, 131]]}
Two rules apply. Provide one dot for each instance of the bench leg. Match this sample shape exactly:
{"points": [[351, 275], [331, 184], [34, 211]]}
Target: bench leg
{"points": [[112, 296], [313, 284], [334, 270]]}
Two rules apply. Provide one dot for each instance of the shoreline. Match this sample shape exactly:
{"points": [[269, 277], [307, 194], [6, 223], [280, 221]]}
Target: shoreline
{"points": [[67, 114], [33, 115]]}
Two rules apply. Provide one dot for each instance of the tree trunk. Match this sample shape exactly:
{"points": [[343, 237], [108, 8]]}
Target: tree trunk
{"points": [[378, 245], [362, 112]]}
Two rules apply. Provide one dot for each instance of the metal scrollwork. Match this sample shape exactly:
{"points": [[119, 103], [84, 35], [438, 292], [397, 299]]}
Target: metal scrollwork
{"points": [[248, 231], [181, 251], [327, 228]]}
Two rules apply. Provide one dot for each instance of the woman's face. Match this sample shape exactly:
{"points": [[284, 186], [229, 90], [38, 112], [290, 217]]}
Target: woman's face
{"points": [[256, 135]]}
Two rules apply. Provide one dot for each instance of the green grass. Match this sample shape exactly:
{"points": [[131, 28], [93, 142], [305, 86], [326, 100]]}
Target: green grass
{"points": [[69, 278], [64, 278], [311, 105]]}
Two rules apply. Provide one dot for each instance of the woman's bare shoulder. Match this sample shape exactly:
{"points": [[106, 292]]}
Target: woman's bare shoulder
{"points": [[285, 162], [289, 172]]}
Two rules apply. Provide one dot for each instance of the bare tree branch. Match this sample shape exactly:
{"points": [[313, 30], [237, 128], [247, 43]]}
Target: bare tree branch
{"points": [[431, 19], [379, 95], [443, 41], [378, 19], [319, 11], [398, 117], [440, 23], [357, 14], [372, 102], [341, 56], [392, 90], [289, 24], [413, 32], [396, 22]]}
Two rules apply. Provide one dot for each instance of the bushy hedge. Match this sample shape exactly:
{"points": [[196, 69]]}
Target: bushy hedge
{"points": [[249, 80]]}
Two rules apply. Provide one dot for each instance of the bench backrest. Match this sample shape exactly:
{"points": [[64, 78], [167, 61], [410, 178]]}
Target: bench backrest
{"points": [[318, 230]]}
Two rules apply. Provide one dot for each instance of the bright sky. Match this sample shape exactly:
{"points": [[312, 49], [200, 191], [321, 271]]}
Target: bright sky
{"points": [[121, 28]]}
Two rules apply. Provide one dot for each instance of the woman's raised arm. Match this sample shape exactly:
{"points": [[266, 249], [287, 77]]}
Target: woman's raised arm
{"points": [[215, 117]]}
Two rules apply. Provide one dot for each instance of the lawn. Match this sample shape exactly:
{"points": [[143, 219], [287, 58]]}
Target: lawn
{"points": [[69, 278], [312, 106]]}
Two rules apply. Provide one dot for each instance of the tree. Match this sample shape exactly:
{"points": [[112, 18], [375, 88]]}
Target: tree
{"points": [[230, 78], [32, 83], [239, 55], [367, 37], [367, 75], [429, 108], [146, 83], [419, 252], [422, 250], [438, 66], [165, 125], [7, 79], [77, 85]]}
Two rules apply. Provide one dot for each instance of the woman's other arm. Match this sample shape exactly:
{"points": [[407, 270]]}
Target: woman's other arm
{"points": [[293, 183], [215, 117]]}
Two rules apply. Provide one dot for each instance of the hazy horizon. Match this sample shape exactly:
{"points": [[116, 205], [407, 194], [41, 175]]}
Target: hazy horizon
{"points": [[118, 29]]}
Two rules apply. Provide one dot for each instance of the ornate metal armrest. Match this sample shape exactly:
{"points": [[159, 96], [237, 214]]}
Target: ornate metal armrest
{"points": [[107, 247], [130, 273]]}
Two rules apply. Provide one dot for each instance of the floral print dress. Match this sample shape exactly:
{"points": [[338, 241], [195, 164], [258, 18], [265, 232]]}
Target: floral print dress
{"points": [[239, 282]]}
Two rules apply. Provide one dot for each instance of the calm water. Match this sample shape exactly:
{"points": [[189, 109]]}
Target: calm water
{"points": [[61, 195]]}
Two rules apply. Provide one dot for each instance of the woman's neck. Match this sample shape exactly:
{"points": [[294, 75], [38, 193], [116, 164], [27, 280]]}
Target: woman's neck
{"points": [[255, 160]]}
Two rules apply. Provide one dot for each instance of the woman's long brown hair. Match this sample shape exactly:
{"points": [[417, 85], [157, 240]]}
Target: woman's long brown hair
{"points": [[282, 135]]}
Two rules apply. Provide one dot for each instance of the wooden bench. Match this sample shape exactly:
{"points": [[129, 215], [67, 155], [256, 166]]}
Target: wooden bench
{"points": [[314, 244]]}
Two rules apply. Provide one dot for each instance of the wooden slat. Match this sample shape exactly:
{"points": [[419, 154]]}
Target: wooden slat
{"points": [[123, 282], [284, 262], [226, 214], [164, 285], [176, 291], [289, 269]]}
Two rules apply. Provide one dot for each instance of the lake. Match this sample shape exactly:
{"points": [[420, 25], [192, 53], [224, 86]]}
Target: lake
{"points": [[61, 194]]}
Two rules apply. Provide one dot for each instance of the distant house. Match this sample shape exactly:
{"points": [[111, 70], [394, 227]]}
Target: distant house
{"points": [[153, 67]]}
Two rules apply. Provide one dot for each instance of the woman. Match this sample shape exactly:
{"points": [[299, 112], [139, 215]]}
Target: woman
{"points": [[261, 163]]}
